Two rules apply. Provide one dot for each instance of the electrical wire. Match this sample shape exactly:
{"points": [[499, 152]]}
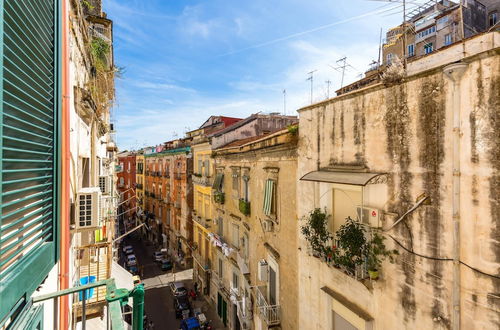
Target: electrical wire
{"points": [[442, 259]]}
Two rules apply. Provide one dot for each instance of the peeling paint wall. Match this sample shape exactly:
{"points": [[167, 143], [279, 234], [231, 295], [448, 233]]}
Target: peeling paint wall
{"points": [[406, 131]]}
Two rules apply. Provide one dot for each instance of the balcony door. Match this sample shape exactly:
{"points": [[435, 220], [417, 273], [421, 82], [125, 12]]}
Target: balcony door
{"points": [[272, 286]]}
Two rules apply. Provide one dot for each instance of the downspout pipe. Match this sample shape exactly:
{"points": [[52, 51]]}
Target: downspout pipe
{"points": [[454, 72], [65, 166]]}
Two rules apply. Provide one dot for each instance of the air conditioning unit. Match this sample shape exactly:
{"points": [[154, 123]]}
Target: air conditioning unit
{"points": [[370, 216], [262, 270], [105, 184], [88, 208], [267, 225]]}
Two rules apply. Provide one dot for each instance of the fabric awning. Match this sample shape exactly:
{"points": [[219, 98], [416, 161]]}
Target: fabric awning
{"points": [[123, 279], [342, 177], [218, 181], [268, 197]]}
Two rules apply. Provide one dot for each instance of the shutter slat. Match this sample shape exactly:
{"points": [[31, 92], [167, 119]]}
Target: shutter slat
{"points": [[18, 191], [26, 160], [27, 179], [26, 151], [22, 170], [27, 141]]}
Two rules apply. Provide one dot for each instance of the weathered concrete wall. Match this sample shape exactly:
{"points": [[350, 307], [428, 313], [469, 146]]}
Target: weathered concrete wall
{"points": [[406, 131]]}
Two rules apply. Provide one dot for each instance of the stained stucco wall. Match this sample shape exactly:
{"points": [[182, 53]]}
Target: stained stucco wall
{"points": [[406, 131]]}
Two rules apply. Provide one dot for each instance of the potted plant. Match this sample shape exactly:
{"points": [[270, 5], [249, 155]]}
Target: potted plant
{"points": [[315, 231], [376, 254], [352, 243]]}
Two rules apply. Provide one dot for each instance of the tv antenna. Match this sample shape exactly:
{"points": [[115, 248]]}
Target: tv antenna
{"points": [[311, 75], [284, 102]]}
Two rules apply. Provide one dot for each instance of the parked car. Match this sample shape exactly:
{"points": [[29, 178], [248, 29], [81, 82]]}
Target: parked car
{"points": [[158, 256], [166, 264], [131, 260], [133, 269], [178, 289], [191, 323], [182, 306], [136, 279], [128, 249]]}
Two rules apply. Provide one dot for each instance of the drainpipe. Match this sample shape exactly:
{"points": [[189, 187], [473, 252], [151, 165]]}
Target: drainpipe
{"points": [[454, 72], [65, 165]]}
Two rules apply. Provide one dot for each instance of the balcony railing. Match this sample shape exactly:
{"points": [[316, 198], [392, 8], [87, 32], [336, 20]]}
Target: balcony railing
{"points": [[201, 180], [202, 221], [201, 260], [177, 176], [244, 311], [270, 313]]}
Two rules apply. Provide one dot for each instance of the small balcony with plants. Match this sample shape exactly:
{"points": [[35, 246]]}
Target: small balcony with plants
{"points": [[353, 249], [244, 206], [219, 197]]}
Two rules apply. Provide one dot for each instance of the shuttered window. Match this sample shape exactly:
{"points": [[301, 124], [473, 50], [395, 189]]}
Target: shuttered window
{"points": [[29, 110]]}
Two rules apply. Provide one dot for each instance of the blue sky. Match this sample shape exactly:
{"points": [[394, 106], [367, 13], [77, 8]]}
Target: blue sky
{"points": [[187, 59]]}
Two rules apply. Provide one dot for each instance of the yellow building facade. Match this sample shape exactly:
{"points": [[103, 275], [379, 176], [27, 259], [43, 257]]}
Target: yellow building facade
{"points": [[254, 259]]}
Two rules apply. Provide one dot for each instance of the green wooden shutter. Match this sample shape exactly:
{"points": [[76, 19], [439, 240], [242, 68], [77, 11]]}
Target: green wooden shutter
{"points": [[29, 147]]}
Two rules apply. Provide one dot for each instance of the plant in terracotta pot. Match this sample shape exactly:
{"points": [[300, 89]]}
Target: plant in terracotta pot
{"points": [[376, 254], [315, 231]]}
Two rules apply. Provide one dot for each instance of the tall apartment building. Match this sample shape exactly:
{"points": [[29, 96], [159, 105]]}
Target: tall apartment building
{"points": [[168, 198], [433, 26], [58, 201], [126, 184], [202, 180], [415, 162], [254, 274]]}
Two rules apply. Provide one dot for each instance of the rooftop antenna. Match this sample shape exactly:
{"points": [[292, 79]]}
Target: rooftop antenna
{"points": [[328, 83], [311, 74], [284, 102], [379, 47]]}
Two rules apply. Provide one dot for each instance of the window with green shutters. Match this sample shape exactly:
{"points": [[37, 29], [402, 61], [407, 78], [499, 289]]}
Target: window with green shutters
{"points": [[29, 148]]}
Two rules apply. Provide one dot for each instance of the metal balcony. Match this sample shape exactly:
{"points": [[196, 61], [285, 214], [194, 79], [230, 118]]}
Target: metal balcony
{"points": [[244, 312], [201, 180], [270, 313]]}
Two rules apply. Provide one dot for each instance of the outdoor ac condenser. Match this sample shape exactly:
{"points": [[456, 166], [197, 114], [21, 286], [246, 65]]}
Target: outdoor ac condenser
{"points": [[371, 216], [105, 184], [88, 208], [262, 270]]}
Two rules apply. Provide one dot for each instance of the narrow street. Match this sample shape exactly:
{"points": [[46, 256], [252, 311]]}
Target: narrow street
{"points": [[159, 300]]}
